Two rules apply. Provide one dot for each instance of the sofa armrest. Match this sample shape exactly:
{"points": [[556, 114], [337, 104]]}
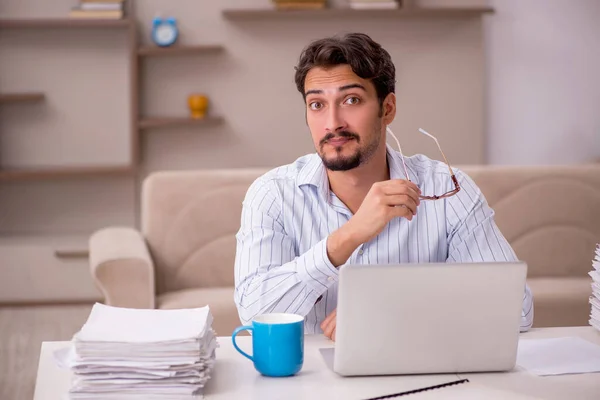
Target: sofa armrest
{"points": [[122, 268]]}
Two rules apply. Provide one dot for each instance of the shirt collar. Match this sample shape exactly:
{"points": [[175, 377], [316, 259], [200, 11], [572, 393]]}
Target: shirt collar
{"points": [[314, 173]]}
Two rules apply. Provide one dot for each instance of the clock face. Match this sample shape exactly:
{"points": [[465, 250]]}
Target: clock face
{"points": [[165, 34]]}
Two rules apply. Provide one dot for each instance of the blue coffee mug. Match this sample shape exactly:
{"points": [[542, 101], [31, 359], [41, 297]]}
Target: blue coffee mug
{"points": [[277, 343]]}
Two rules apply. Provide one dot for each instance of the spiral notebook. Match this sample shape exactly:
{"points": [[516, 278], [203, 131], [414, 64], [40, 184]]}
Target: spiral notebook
{"points": [[461, 389]]}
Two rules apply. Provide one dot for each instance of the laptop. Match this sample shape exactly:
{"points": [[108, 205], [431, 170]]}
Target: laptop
{"points": [[428, 318]]}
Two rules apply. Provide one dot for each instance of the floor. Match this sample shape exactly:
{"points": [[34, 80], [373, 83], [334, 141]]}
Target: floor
{"points": [[22, 330]]}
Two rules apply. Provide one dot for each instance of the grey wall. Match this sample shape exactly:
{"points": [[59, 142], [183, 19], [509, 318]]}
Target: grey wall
{"points": [[543, 103]]}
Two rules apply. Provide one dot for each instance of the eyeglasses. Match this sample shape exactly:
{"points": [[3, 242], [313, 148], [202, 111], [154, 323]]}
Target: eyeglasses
{"points": [[452, 176]]}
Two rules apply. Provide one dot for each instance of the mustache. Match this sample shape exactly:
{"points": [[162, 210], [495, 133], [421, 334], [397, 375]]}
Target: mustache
{"points": [[343, 134]]}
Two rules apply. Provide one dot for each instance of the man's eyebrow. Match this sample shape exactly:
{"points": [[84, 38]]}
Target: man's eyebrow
{"points": [[352, 86], [340, 89], [313, 91]]}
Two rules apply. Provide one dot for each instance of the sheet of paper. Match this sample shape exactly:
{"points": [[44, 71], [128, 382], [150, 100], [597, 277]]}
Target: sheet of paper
{"points": [[114, 324], [327, 354], [595, 297], [558, 356]]}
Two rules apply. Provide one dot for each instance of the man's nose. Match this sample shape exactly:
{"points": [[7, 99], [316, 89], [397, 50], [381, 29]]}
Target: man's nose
{"points": [[335, 121]]}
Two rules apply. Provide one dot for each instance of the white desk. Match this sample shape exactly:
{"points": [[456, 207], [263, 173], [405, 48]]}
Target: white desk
{"points": [[234, 376]]}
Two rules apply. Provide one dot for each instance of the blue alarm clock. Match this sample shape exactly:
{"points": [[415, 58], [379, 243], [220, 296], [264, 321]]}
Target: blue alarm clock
{"points": [[164, 31]]}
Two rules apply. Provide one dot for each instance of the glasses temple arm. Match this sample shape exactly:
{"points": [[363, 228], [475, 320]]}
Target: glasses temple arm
{"points": [[443, 155], [388, 130]]}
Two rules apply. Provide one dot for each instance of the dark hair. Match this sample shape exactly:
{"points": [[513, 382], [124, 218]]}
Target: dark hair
{"points": [[365, 56]]}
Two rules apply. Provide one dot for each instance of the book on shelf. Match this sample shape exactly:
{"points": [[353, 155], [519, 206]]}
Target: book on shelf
{"points": [[373, 4], [95, 14], [101, 6], [299, 4], [399, 2], [98, 9]]}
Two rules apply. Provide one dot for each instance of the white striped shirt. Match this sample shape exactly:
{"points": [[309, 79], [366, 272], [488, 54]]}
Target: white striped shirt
{"points": [[281, 257]]}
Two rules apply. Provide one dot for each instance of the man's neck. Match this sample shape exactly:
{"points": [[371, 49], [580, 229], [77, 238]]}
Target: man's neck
{"points": [[352, 186]]}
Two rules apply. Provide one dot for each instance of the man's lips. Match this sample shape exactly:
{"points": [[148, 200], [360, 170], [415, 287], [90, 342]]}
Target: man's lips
{"points": [[338, 141]]}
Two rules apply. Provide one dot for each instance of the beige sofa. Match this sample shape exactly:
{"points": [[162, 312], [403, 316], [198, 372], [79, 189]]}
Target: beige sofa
{"points": [[184, 254]]}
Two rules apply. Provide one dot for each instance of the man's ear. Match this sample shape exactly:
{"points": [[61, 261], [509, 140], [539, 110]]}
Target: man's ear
{"points": [[389, 108]]}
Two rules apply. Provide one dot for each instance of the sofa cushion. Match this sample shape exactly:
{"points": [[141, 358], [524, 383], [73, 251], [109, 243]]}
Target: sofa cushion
{"points": [[561, 301], [220, 301]]}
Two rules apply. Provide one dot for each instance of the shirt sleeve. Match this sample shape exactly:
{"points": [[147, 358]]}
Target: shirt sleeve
{"points": [[473, 236], [269, 274]]}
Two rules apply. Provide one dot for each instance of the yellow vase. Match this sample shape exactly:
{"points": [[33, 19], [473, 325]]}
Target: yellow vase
{"points": [[198, 104]]}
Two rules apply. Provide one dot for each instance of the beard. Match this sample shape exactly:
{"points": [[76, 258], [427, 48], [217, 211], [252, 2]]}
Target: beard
{"points": [[345, 163]]}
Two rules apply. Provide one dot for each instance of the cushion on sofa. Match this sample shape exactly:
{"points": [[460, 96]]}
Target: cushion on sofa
{"points": [[561, 301], [220, 301]]}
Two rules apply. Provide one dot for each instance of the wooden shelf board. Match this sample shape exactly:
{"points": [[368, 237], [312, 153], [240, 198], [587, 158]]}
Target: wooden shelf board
{"points": [[71, 254], [413, 12], [159, 122], [64, 23], [178, 50], [22, 174], [21, 97]]}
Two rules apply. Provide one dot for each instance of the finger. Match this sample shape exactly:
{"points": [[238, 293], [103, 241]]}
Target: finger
{"points": [[332, 314], [327, 320], [324, 324], [399, 189], [401, 211], [330, 326], [397, 184], [333, 334], [402, 200], [415, 196], [328, 331]]}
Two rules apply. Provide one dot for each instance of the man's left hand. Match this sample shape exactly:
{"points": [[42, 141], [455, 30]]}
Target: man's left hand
{"points": [[328, 325]]}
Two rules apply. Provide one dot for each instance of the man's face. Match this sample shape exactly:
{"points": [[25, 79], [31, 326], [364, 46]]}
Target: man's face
{"points": [[343, 115]]}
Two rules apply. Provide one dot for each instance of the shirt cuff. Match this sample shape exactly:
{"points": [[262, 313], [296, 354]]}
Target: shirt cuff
{"points": [[319, 273]]}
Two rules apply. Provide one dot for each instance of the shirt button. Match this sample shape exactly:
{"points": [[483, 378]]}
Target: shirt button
{"points": [[360, 251], [330, 279]]}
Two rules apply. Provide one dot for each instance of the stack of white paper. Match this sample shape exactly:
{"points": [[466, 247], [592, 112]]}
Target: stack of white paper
{"points": [[595, 297], [133, 353]]}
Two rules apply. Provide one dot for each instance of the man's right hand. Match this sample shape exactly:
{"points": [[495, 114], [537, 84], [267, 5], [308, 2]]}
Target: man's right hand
{"points": [[384, 201]]}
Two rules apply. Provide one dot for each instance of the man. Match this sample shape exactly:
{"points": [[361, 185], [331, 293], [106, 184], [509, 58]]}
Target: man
{"points": [[352, 201]]}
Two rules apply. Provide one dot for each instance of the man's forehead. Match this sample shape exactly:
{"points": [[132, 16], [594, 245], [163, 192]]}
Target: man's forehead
{"points": [[331, 78]]}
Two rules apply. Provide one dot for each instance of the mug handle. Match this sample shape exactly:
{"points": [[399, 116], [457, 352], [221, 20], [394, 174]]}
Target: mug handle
{"points": [[234, 334]]}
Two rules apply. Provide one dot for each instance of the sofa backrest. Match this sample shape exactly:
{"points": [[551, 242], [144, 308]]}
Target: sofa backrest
{"points": [[189, 219], [550, 215]]}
